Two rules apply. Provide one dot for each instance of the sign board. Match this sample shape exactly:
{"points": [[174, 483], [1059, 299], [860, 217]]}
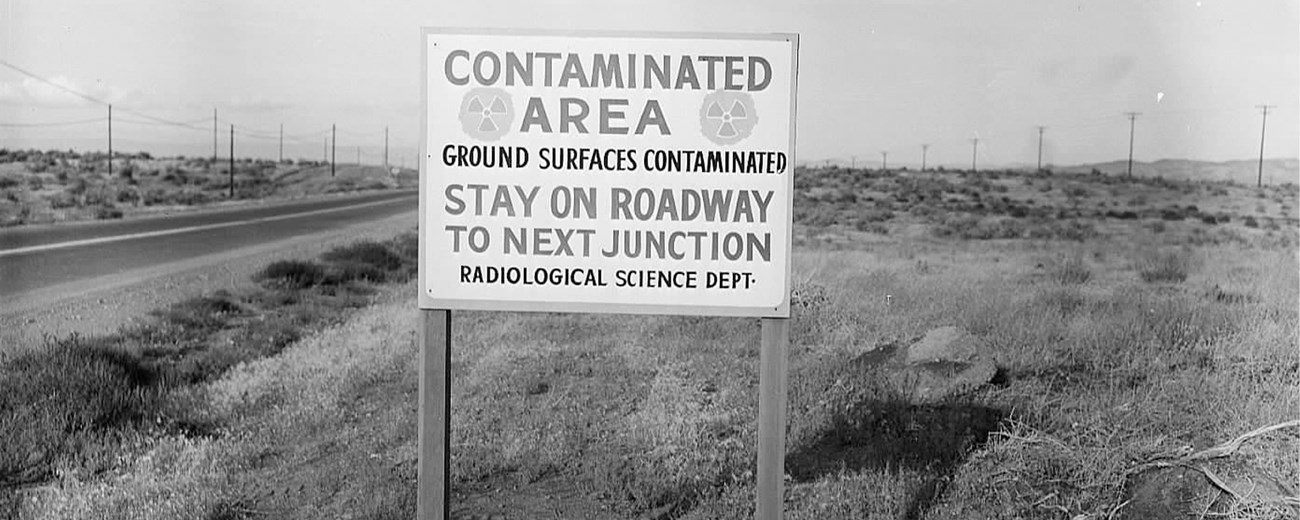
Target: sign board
{"points": [[607, 172]]}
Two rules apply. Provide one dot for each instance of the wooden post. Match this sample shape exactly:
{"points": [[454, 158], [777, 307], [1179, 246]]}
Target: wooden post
{"points": [[771, 418], [434, 485]]}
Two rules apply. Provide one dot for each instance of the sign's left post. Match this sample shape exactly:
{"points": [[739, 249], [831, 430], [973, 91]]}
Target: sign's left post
{"points": [[434, 486]]}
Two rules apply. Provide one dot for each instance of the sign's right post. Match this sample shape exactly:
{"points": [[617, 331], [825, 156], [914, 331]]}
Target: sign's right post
{"points": [[771, 418]]}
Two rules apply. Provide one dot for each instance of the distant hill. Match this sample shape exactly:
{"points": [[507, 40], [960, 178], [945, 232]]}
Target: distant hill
{"points": [[1276, 171]]}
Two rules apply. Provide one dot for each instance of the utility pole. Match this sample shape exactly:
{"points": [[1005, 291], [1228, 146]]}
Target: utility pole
{"points": [[1132, 117], [385, 147], [1259, 179], [975, 146], [110, 141], [214, 137], [1040, 147], [853, 162], [232, 160], [924, 148], [333, 147], [884, 161], [281, 142]]}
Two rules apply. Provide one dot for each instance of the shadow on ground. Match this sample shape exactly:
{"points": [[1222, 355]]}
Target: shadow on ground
{"points": [[879, 435]]}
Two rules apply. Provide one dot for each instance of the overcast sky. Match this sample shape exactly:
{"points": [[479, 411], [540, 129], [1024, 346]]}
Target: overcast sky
{"points": [[874, 76]]}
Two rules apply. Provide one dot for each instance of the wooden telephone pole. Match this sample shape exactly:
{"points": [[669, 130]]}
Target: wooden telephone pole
{"points": [[1040, 147], [1132, 117], [110, 141], [1259, 179]]}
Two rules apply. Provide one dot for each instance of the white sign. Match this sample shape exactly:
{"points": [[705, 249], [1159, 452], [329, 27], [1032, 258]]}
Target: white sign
{"points": [[607, 172]]}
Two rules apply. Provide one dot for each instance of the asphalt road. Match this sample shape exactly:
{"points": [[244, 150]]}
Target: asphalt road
{"points": [[35, 258]]}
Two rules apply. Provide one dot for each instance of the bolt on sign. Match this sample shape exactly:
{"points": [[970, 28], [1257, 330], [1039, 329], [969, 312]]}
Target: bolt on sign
{"points": [[607, 172]]}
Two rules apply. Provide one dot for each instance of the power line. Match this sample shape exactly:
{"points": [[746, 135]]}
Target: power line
{"points": [[91, 98], [53, 124], [24, 72]]}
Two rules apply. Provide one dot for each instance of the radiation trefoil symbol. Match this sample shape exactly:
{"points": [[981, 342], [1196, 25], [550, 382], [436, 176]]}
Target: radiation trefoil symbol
{"points": [[727, 117], [486, 113]]}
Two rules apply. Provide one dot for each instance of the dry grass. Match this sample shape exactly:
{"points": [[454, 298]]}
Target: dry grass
{"points": [[597, 416]]}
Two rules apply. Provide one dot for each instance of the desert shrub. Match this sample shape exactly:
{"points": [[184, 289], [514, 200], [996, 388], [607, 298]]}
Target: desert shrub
{"points": [[353, 271], [924, 210], [1157, 227], [192, 198], [62, 200], [9, 182], [1009, 228], [406, 246], [58, 399], [955, 226], [1209, 219], [1250, 222], [128, 196], [154, 196], [108, 212], [296, 274], [1076, 192], [1171, 214], [367, 261], [1063, 230], [871, 227], [875, 215], [1071, 271], [1163, 266], [818, 216]]}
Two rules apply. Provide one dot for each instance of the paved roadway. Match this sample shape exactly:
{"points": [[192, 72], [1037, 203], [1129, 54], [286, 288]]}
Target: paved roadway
{"points": [[39, 257]]}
